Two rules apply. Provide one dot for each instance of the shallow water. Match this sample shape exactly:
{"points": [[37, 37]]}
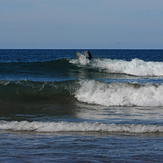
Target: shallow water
{"points": [[80, 147]]}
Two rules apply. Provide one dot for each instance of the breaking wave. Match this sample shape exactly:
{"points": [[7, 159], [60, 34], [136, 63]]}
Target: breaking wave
{"points": [[120, 94], [87, 91], [50, 127], [135, 67]]}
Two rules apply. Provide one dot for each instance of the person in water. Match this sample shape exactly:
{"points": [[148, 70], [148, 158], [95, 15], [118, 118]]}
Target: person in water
{"points": [[89, 54]]}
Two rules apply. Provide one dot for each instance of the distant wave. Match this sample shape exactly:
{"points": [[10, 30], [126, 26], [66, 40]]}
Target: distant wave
{"points": [[34, 69], [34, 61], [87, 91], [50, 127], [135, 67]]}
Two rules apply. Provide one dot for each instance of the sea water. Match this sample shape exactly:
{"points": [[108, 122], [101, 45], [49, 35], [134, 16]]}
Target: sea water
{"points": [[57, 108]]}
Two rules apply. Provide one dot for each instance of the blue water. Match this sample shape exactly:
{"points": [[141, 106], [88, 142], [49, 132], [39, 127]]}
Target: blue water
{"points": [[55, 107]]}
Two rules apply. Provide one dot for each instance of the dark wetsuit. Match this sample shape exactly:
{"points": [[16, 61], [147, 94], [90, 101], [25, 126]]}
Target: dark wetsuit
{"points": [[89, 55]]}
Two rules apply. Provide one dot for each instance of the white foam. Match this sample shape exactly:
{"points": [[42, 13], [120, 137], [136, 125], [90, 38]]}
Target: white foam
{"points": [[120, 94], [78, 127], [135, 67], [80, 62]]}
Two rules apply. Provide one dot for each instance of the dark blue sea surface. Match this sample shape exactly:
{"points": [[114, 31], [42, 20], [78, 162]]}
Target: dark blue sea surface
{"points": [[55, 107]]}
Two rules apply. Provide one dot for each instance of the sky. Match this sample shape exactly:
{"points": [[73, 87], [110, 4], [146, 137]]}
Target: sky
{"points": [[81, 24]]}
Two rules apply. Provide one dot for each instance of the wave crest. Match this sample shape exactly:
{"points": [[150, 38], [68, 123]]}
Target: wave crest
{"points": [[135, 67], [120, 94], [78, 127]]}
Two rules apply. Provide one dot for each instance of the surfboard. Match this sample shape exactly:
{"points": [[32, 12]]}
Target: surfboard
{"points": [[80, 56]]}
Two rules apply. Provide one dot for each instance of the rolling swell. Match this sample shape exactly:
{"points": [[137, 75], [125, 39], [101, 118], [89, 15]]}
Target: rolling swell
{"points": [[25, 90], [57, 70], [36, 67], [75, 68]]}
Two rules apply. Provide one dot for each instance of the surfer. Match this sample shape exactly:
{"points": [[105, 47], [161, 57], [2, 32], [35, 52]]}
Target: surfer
{"points": [[89, 54]]}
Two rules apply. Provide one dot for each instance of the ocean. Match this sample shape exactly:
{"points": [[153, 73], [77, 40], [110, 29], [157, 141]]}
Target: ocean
{"points": [[55, 107]]}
